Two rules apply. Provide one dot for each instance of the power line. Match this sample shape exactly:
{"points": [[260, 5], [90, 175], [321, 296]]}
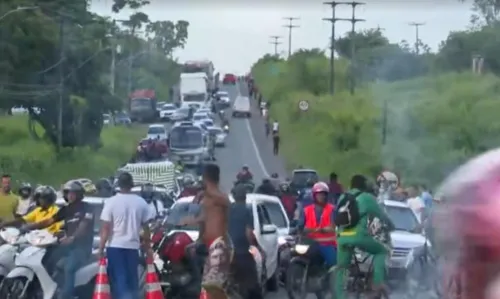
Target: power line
{"points": [[290, 27], [353, 20], [417, 36], [275, 42]]}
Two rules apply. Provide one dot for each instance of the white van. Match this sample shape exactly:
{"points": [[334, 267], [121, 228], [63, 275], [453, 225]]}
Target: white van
{"points": [[242, 106]]}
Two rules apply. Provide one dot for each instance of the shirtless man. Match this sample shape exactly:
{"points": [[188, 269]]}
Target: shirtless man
{"points": [[213, 233]]}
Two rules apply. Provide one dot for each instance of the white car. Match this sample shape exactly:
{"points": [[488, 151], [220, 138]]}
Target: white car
{"points": [[180, 114], [200, 116], [107, 119], [266, 232], [220, 136], [242, 106], [406, 240], [157, 130], [206, 110], [166, 111]]}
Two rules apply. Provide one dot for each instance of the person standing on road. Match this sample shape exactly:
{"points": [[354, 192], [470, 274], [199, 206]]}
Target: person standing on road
{"points": [[276, 143], [243, 267], [122, 218], [8, 200]]}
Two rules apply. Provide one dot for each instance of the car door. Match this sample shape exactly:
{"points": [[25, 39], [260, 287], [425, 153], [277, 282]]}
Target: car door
{"points": [[278, 217], [269, 240]]}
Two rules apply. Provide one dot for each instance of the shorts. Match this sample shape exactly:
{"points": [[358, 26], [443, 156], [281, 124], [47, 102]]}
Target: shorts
{"points": [[217, 264]]}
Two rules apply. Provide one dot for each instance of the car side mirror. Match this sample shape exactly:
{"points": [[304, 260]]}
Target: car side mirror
{"points": [[269, 229]]}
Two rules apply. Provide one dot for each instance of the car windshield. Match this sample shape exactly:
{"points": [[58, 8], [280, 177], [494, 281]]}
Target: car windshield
{"points": [[156, 130], [300, 178], [140, 103], [195, 97], [215, 131], [168, 108], [183, 110], [199, 116], [222, 94], [208, 122], [122, 116], [181, 210], [186, 137], [402, 217]]}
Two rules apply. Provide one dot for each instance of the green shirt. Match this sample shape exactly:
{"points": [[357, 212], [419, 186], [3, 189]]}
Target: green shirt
{"points": [[8, 206], [368, 208]]}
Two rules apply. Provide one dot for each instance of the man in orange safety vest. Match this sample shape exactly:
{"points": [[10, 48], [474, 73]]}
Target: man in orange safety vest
{"points": [[318, 224]]}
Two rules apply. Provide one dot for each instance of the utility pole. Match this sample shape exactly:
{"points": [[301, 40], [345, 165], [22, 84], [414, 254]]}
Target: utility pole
{"points": [[275, 42], [130, 62], [62, 57], [417, 36], [353, 20], [290, 27], [112, 71], [333, 20]]}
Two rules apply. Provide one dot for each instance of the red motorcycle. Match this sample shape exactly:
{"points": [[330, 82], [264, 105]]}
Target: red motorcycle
{"points": [[178, 266]]}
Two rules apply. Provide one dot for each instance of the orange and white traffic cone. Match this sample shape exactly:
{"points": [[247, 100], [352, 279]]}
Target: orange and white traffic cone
{"points": [[203, 294], [153, 288], [101, 290]]}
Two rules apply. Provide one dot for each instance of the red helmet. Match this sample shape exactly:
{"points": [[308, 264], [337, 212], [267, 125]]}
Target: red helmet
{"points": [[468, 225]]}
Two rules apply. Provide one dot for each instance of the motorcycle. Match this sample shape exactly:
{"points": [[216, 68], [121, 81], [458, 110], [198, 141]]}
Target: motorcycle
{"points": [[175, 261], [307, 272], [30, 279], [8, 251], [249, 185], [226, 129]]}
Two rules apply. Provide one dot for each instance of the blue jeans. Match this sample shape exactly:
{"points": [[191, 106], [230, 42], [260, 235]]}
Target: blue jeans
{"points": [[75, 258], [122, 272], [329, 254]]}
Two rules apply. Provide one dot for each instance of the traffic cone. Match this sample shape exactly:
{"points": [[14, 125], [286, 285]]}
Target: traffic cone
{"points": [[203, 294], [153, 288], [101, 290]]}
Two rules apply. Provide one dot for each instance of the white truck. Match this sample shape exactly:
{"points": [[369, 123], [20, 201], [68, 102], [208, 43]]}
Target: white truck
{"points": [[193, 89]]}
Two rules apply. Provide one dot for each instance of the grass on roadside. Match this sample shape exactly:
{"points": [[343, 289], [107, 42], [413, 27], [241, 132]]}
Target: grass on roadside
{"points": [[35, 161]]}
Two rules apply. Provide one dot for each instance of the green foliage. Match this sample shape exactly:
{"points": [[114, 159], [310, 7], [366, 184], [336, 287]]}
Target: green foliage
{"points": [[436, 118], [28, 160], [61, 39]]}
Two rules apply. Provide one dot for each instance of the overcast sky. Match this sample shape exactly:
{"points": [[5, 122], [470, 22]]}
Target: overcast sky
{"points": [[234, 34]]}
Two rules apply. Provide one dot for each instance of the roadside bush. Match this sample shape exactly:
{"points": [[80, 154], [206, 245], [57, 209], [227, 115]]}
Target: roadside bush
{"points": [[433, 123], [35, 161]]}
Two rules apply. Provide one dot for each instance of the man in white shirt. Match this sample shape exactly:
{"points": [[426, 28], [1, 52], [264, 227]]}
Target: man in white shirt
{"points": [[275, 127], [123, 217], [415, 202]]}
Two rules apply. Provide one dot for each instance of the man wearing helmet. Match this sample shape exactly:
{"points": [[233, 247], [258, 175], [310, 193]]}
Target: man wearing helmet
{"points": [[244, 175], [317, 222], [155, 205], [46, 208], [26, 203], [76, 245], [357, 234]]}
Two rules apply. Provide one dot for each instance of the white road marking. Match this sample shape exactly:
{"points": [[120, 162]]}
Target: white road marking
{"points": [[254, 144]]}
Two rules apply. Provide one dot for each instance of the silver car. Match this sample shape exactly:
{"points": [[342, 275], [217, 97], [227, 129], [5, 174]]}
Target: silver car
{"points": [[220, 136], [180, 114]]}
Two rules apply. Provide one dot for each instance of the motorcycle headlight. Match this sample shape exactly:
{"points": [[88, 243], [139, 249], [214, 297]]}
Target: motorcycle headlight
{"points": [[301, 249], [281, 240]]}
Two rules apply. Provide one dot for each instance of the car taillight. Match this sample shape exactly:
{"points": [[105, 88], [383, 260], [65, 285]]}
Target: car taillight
{"points": [[175, 248]]}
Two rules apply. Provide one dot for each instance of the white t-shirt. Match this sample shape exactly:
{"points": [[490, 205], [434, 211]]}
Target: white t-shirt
{"points": [[417, 205], [127, 213], [153, 208], [275, 126]]}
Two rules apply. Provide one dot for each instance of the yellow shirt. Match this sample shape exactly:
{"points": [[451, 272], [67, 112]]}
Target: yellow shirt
{"points": [[38, 215], [8, 206]]}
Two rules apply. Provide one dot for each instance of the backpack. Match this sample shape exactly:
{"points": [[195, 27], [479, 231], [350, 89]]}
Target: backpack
{"points": [[347, 212]]}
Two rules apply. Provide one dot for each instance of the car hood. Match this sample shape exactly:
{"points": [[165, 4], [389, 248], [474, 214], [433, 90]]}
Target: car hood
{"points": [[403, 239]]}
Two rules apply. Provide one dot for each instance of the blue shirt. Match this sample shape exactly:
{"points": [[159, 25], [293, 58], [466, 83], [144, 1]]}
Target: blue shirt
{"points": [[318, 211], [427, 199], [240, 219]]}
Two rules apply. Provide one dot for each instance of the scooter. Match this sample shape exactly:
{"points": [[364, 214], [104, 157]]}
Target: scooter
{"points": [[13, 239], [30, 279]]}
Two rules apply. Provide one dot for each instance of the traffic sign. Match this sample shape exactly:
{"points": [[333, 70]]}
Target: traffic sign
{"points": [[303, 105]]}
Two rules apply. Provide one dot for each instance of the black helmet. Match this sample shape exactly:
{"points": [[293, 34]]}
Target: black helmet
{"points": [[274, 175], [104, 186], [73, 186], [284, 187], [25, 190], [47, 194]]}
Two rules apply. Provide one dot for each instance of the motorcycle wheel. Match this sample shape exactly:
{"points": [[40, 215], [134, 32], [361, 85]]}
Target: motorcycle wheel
{"points": [[13, 289], [296, 281]]}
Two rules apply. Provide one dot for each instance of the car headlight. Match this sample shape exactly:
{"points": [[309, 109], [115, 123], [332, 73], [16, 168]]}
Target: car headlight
{"points": [[301, 249]]}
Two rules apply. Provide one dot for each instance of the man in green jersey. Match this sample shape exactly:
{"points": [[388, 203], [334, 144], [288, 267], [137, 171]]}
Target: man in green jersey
{"points": [[360, 237]]}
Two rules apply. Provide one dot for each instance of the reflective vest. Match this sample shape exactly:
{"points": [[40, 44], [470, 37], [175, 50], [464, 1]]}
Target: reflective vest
{"points": [[325, 221]]}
